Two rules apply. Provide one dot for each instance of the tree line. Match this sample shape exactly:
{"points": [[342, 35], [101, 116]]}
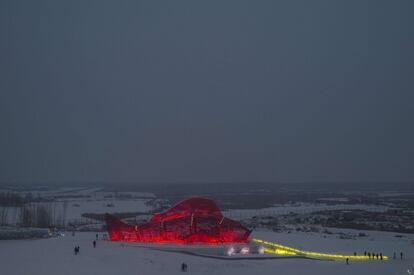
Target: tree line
{"points": [[32, 212]]}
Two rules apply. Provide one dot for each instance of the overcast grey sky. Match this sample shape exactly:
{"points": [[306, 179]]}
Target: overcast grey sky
{"points": [[164, 91]]}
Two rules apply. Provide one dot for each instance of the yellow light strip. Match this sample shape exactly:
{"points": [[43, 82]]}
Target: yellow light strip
{"points": [[286, 250]]}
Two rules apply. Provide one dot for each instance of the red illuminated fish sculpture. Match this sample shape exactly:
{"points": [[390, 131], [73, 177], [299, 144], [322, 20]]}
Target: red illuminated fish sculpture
{"points": [[192, 221]]}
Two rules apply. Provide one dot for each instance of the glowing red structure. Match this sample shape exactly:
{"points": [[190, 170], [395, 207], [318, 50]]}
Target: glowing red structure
{"points": [[192, 221]]}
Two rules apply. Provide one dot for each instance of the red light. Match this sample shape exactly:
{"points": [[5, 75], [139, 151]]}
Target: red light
{"points": [[192, 221]]}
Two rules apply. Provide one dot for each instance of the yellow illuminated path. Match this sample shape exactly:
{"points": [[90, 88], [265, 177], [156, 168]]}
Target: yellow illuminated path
{"points": [[274, 248]]}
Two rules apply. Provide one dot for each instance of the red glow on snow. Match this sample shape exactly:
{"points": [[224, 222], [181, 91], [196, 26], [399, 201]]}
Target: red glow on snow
{"points": [[192, 221]]}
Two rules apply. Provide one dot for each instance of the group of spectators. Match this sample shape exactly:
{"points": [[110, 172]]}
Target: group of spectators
{"points": [[376, 256]]}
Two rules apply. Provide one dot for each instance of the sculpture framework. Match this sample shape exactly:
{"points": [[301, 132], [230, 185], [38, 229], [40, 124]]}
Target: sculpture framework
{"points": [[192, 221]]}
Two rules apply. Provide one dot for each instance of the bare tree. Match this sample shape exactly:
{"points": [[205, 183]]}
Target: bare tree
{"points": [[64, 213], [26, 215], [43, 216], [3, 215]]}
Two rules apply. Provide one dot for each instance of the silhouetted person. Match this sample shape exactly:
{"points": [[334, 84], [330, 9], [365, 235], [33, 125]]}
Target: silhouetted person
{"points": [[347, 260], [401, 255], [97, 236], [381, 256], [354, 253], [377, 256], [184, 267], [365, 253], [75, 250], [373, 256], [94, 244], [369, 255]]}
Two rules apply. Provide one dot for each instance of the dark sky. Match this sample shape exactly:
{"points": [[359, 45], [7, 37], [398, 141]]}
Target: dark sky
{"points": [[206, 91]]}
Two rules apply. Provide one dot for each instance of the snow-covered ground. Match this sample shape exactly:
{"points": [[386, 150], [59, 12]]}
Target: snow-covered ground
{"points": [[78, 207], [55, 256], [300, 208], [71, 203]]}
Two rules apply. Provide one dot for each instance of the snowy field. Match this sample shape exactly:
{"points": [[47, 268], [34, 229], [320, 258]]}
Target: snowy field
{"points": [[55, 256], [299, 208], [71, 203]]}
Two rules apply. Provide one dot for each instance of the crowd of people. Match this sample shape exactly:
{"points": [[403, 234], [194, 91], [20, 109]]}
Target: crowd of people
{"points": [[376, 256]]}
